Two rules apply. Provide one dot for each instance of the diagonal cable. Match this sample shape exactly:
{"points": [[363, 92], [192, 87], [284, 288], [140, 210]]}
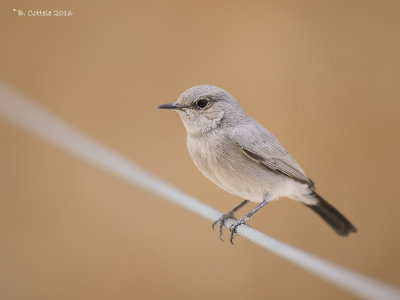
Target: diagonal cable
{"points": [[21, 111]]}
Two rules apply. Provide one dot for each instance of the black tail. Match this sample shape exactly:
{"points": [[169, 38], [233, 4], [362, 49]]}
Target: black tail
{"points": [[332, 216]]}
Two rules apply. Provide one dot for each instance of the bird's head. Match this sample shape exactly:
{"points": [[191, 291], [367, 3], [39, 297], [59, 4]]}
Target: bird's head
{"points": [[205, 107]]}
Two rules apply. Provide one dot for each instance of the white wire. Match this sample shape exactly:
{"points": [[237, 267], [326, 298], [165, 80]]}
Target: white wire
{"points": [[19, 110]]}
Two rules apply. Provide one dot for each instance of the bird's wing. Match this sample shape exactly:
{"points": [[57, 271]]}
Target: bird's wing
{"points": [[260, 145]]}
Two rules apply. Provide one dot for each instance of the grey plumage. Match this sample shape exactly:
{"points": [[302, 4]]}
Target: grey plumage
{"points": [[244, 158]]}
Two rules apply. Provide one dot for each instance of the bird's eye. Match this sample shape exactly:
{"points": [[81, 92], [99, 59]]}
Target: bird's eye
{"points": [[202, 103]]}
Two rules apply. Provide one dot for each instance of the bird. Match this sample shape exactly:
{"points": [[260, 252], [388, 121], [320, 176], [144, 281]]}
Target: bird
{"points": [[244, 158]]}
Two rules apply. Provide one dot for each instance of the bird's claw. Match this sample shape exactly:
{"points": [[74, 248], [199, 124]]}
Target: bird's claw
{"points": [[222, 221], [233, 228]]}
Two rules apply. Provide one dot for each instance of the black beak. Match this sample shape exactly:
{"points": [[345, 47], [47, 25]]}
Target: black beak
{"points": [[170, 106]]}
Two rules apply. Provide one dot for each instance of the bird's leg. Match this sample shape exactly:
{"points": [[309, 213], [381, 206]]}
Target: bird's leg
{"points": [[244, 219], [229, 215]]}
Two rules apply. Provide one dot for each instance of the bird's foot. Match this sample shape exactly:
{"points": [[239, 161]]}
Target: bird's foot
{"points": [[222, 221], [233, 228]]}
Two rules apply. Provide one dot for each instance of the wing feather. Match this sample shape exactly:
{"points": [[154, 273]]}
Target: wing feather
{"points": [[260, 145]]}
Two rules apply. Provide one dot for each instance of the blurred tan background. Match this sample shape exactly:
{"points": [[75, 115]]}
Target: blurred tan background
{"points": [[324, 77]]}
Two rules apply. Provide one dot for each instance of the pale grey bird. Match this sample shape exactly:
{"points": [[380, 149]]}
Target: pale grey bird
{"points": [[244, 158]]}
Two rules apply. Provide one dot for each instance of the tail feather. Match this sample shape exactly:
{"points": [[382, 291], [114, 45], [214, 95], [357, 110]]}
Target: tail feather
{"points": [[332, 216]]}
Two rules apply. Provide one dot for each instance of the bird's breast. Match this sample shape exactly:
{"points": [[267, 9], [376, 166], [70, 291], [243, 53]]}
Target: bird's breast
{"points": [[222, 161]]}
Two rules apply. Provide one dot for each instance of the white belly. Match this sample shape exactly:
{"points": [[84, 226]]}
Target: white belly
{"points": [[228, 170]]}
